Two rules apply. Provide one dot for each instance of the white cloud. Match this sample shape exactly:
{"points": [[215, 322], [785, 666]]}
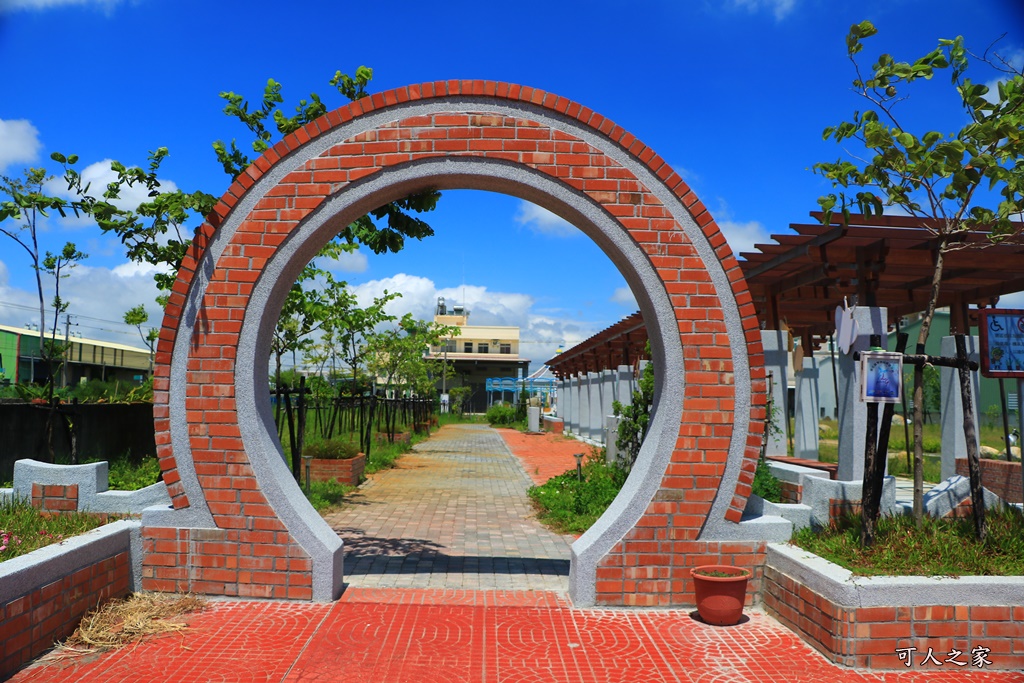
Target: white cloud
{"points": [[624, 297], [40, 5], [19, 141], [743, 236], [540, 334], [346, 262], [779, 8], [97, 298], [543, 222], [1015, 60]]}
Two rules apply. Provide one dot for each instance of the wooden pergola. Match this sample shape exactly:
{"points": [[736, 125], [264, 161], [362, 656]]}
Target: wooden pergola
{"points": [[621, 344], [876, 261]]}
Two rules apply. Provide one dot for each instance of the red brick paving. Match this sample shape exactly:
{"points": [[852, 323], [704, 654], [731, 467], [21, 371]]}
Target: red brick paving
{"points": [[407, 636], [544, 455]]}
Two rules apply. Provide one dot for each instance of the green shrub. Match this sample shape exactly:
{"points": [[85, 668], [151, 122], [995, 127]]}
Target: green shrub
{"points": [[332, 449], [324, 495], [125, 474], [501, 414], [765, 483], [569, 505]]}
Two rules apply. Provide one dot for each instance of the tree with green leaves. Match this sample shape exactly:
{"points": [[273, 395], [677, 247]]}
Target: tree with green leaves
{"points": [[156, 231], [398, 355], [635, 417], [26, 203], [971, 179]]}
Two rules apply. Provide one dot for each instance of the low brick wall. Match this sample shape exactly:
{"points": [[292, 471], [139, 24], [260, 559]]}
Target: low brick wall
{"points": [[348, 471], [555, 425], [998, 476], [55, 497], [893, 622], [44, 594], [791, 493]]}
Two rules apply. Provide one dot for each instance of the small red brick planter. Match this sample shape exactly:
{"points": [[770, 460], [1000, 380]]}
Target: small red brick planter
{"points": [[892, 622], [998, 476], [348, 471]]}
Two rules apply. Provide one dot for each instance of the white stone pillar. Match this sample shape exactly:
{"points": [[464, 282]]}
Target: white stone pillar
{"points": [[608, 378], [574, 404], [853, 413], [595, 421], [805, 437], [776, 360], [954, 444], [624, 385]]}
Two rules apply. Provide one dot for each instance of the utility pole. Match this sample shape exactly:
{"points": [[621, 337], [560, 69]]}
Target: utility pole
{"points": [[67, 345]]}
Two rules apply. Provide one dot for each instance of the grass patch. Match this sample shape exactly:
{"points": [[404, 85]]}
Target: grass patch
{"points": [[943, 547], [324, 496], [571, 506], [383, 455], [932, 467], [24, 529]]}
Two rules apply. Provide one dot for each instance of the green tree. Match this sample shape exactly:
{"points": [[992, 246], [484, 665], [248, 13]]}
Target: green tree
{"points": [[24, 205], [398, 355], [635, 417], [156, 231], [137, 317], [967, 180]]}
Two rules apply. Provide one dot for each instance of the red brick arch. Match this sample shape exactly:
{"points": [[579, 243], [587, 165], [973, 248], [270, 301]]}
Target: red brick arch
{"points": [[238, 524]]}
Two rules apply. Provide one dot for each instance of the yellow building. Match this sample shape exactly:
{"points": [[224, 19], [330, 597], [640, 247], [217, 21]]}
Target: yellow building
{"points": [[476, 353]]}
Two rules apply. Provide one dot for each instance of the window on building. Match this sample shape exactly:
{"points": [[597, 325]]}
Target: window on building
{"points": [[482, 347], [506, 348], [449, 345], [467, 347]]}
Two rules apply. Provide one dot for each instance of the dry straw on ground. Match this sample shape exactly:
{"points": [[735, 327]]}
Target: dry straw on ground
{"points": [[120, 623]]}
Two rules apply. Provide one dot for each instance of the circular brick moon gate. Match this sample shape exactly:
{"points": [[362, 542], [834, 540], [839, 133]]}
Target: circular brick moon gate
{"points": [[239, 525]]}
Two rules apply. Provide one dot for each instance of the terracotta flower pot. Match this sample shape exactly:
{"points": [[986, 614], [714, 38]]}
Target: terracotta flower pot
{"points": [[720, 598]]}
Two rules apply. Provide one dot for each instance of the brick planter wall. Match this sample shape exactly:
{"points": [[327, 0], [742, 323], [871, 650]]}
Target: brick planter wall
{"points": [[45, 594], [348, 471], [816, 599], [791, 493], [998, 476], [554, 425]]}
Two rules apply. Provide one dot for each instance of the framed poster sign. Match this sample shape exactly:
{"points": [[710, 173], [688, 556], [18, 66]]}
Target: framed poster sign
{"points": [[1002, 342], [881, 376]]}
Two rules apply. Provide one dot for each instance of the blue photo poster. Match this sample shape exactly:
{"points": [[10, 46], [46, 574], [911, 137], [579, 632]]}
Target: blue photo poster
{"points": [[881, 376], [1002, 342]]}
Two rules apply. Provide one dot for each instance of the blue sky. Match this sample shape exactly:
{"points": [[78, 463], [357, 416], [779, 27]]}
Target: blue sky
{"points": [[733, 94]]}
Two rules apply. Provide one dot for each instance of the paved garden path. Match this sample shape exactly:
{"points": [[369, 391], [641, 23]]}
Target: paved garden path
{"points": [[452, 514], [458, 504]]}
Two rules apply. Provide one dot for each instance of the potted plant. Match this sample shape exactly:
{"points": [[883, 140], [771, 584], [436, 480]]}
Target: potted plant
{"points": [[720, 592], [336, 459]]}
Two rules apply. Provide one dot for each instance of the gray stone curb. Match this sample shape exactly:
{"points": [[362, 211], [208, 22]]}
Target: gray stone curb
{"points": [[21, 575], [842, 588]]}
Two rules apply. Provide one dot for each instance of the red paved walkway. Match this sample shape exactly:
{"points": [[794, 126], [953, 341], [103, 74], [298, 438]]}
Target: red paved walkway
{"points": [[406, 636], [543, 455]]}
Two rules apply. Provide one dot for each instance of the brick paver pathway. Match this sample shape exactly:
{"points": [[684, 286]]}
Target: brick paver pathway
{"points": [[452, 514], [430, 636], [448, 512]]}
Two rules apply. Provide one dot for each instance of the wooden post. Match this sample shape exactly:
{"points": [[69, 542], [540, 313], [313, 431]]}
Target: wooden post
{"points": [[970, 434]]}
